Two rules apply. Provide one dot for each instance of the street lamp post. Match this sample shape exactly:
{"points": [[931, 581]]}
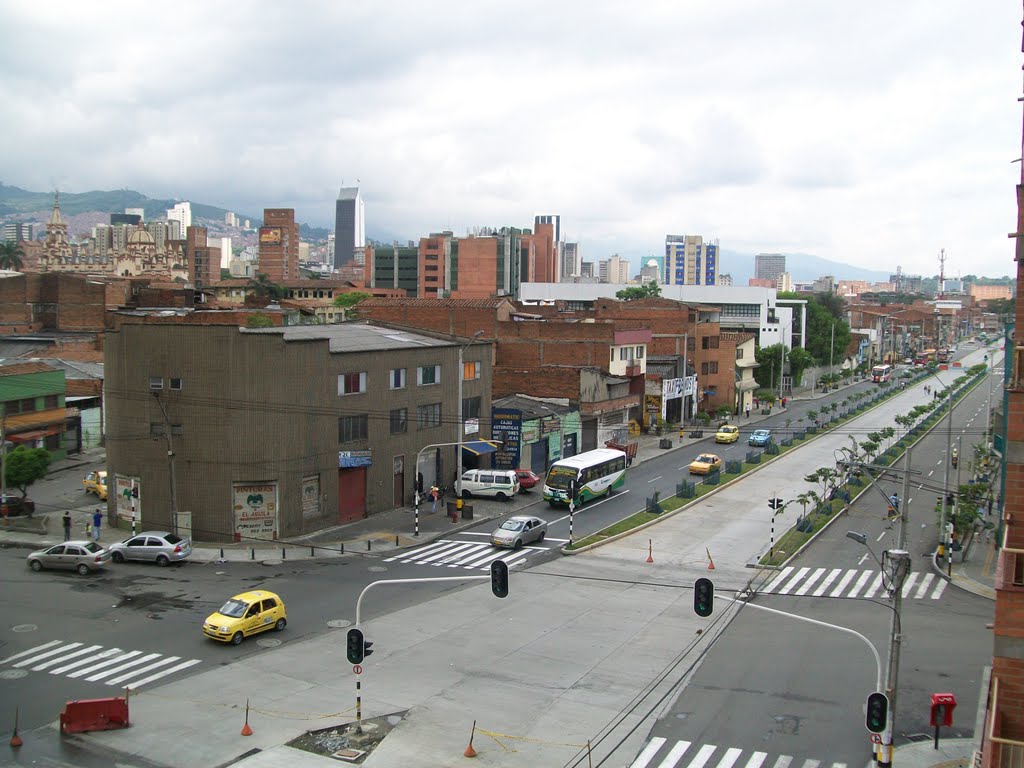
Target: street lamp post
{"points": [[462, 427]]}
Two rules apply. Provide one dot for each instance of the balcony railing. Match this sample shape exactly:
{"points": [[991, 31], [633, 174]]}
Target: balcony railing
{"points": [[1002, 752]]}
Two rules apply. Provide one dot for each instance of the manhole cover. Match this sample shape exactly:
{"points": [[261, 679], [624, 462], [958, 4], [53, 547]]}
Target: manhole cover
{"points": [[339, 623], [13, 674], [25, 628], [268, 642], [377, 568], [272, 562]]}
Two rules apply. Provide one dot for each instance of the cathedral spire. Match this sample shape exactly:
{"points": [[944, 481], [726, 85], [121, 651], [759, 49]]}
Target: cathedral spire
{"points": [[55, 217]]}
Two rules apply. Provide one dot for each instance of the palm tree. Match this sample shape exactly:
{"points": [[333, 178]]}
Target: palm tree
{"points": [[263, 288], [11, 253]]}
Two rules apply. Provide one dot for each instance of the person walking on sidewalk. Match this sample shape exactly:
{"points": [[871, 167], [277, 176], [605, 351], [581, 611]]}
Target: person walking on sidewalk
{"points": [[67, 525], [97, 522], [748, 411]]}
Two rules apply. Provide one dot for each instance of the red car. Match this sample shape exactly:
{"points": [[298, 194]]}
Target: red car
{"points": [[527, 479]]}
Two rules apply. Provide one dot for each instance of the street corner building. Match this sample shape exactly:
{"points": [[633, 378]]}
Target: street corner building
{"points": [[238, 434]]}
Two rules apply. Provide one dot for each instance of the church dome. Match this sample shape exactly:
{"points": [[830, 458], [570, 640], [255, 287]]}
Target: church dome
{"points": [[140, 237]]}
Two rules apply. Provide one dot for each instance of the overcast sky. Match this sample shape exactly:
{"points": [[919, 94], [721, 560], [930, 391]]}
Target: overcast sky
{"points": [[873, 133]]}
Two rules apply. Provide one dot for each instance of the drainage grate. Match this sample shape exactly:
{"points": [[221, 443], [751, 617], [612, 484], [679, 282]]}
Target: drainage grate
{"points": [[916, 737]]}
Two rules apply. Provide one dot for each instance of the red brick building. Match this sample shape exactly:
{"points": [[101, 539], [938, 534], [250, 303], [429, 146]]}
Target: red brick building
{"points": [[279, 245]]}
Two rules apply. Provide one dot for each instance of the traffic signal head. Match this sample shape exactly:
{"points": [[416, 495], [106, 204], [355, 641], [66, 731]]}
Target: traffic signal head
{"points": [[367, 645], [878, 712], [354, 649], [499, 578], [703, 597]]}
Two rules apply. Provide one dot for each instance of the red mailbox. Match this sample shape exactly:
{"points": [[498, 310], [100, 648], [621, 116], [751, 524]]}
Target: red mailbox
{"points": [[943, 705]]}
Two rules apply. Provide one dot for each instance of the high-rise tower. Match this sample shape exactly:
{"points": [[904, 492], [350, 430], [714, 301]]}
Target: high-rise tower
{"points": [[349, 225]]}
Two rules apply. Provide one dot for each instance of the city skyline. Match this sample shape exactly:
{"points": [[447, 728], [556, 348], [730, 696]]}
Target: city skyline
{"points": [[872, 156]]}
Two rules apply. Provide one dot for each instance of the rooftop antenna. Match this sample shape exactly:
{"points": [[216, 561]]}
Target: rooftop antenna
{"points": [[942, 272]]}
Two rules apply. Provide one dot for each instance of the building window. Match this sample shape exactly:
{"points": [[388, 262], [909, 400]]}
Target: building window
{"points": [[156, 429], [396, 379], [428, 374], [51, 401], [624, 353], [351, 383], [352, 428], [156, 382], [739, 353], [428, 416], [470, 408], [176, 429], [470, 370], [639, 353], [176, 384], [399, 421], [709, 368], [709, 342]]}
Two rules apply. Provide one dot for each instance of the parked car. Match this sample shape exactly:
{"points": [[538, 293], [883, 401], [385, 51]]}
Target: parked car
{"points": [[246, 614], [527, 479], [760, 437], [158, 547], [519, 530], [727, 434], [705, 463], [81, 556], [96, 482], [12, 506], [502, 484]]}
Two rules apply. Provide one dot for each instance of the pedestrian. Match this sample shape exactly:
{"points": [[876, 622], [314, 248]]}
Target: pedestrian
{"points": [[748, 411], [784, 401], [67, 525], [756, 403], [97, 522], [433, 498]]}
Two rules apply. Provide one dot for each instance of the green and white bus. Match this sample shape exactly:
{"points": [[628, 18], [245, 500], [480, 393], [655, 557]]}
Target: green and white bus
{"points": [[596, 473]]}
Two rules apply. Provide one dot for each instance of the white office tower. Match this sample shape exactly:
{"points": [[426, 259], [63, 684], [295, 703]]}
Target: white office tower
{"points": [[181, 212], [615, 270], [572, 261], [349, 226], [225, 252]]}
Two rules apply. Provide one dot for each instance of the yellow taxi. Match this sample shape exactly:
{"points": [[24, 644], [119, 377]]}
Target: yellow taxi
{"points": [[705, 464], [727, 434], [96, 482], [246, 614]]}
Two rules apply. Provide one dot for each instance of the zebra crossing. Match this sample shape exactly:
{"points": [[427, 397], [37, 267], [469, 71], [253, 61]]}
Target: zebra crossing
{"points": [[471, 555], [850, 582], [710, 756], [96, 664]]}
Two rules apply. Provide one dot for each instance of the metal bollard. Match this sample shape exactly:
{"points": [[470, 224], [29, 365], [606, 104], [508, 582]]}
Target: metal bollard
{"points": [[341, 548], [252, 553], [311, 552], [367, 545], [396, 539], [222, 553], [284, 554]]}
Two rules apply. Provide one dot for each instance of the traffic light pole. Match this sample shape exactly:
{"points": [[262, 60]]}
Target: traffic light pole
{"points": [[383, 582]]}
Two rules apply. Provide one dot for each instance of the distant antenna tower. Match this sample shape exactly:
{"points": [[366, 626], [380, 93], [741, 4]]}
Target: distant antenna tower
{"points": [[942, 272]]}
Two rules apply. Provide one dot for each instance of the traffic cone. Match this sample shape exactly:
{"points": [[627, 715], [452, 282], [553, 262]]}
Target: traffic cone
{"points": [[650, 552], [15, 738], [246, 730], [711, 563], [470, 752]]}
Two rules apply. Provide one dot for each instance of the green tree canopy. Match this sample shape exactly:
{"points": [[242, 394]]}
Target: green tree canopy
{"points": [[767, 372], [350, 299], [259, 321], [820, 324], [25, 466], [10, 255], [264, 288], [799, 361], [646, 291]]}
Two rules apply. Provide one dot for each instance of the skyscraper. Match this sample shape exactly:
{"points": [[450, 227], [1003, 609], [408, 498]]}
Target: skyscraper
{"points": [[768, 266], [349, 225], [181, 212], [690, 261], [279, 245]]}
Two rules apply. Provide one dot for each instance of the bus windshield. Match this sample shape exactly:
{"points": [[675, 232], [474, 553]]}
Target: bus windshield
{"points": [[560, 477]]}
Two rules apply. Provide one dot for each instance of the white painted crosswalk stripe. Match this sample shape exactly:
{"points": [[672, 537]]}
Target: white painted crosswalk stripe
{"points": [[680, 755], [94, 663], [472, 555], [822, 582]]}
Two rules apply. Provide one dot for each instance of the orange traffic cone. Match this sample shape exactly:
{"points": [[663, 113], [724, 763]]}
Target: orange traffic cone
{"points": [[246, 730], [15, 738], [470, 752], [650, 552], [711, 563]]}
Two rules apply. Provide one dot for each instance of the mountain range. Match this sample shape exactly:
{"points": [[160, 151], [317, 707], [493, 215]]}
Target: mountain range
{"points": [[18, 204]]}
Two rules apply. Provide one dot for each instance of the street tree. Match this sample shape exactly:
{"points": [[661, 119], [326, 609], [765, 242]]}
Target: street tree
{"points": [[649, 290], [25, 466], [11, 253], [350, 299]]}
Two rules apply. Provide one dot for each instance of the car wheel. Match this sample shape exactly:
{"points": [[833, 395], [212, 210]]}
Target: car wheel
{"points": [[163, 561], [118, 557], [467, 495], [518, 544], [281, 624], [35, 565], [500, 496], [541, 537], [236, 639], [83, 569]]}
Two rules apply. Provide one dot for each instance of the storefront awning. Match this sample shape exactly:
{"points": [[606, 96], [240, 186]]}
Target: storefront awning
{"points": [[480, 447]]}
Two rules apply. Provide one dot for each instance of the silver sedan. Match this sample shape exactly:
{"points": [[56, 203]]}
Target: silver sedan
{"points": [[160, 547], [519, 530], [81, 556]]}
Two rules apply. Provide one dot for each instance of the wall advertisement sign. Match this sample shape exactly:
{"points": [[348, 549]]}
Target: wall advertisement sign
{"points": [[255, 508]]}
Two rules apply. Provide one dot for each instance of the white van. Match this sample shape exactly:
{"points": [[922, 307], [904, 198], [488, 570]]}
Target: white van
{"points": [[501, 484]]}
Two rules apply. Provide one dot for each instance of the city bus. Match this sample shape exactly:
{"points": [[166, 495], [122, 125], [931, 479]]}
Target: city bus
{"points": [[595, 473], [881, 373]]}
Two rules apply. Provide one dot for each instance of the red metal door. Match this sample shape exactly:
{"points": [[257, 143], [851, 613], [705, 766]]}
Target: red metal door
{"points": [[351, 494]]}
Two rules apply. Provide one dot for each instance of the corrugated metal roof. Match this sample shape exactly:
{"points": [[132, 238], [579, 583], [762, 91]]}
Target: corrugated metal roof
{"points": [[10, 368], [384, 301], [354, 337]]}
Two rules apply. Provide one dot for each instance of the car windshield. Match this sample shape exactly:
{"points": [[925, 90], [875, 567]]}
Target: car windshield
{"points": [[512, 525], [233, 608]]}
